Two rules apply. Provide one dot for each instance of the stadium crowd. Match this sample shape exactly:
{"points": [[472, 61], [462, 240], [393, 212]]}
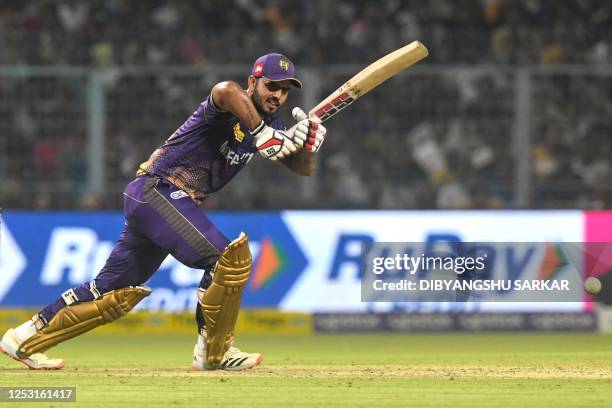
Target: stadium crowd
{"points": [[443, 139]]}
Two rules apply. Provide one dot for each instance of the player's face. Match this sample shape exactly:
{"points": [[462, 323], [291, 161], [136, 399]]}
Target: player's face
{"points": [[268, 95]]}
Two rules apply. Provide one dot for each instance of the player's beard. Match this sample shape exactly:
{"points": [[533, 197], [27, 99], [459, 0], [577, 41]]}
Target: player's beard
{"points": [[258, 102]]}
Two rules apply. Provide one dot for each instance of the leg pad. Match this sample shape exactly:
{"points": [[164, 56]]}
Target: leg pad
{"points": [[79, 318], [221, 301]]}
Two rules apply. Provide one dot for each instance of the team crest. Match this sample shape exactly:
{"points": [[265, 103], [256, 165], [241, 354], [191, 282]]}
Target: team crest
{"points": [[238, 133], [284, 64]]}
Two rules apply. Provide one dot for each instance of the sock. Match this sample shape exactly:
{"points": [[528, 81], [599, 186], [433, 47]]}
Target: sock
{"points": [[199, 316], [26, 330], [201, 337]]}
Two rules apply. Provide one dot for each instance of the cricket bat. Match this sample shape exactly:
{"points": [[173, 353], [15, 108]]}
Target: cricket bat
{"points": [[368, 79]]}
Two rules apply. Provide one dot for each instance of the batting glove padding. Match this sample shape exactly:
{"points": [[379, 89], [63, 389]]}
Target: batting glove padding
{"points": [[272, 143], [306, 133]]}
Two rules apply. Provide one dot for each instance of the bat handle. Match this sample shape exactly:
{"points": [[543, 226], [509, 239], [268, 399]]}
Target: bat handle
{"points": [[314, 118]]}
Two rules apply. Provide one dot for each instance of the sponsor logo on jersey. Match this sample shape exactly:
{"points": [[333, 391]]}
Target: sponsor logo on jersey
{"points": [[238, 133], [175, 195], [233, 157]]}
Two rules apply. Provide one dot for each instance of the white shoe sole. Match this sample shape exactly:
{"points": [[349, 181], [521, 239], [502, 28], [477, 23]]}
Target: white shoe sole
{"points": [[12, 353], [197, 366]]}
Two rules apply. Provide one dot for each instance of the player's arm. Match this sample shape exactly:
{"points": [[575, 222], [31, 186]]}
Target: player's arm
{"points": [[302, 163], [230, 97], [271, 143]]}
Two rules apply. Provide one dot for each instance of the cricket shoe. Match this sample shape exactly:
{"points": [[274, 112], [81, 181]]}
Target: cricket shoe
{"points": [[233, 360], [37, 361]]}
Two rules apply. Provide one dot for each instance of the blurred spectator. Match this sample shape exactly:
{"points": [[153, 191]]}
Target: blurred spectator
{"points": [[444, 142], [46, 155], [90, 202], [43, 201]]}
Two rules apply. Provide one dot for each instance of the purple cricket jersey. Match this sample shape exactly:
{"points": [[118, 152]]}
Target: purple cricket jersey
{"points": [[206, 152]]}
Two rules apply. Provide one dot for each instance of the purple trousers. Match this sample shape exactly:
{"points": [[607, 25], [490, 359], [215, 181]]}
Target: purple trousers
{"points": [[160, 219]]}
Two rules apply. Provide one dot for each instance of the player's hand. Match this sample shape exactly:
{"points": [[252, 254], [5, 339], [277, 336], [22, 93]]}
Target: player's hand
{"points": [[306, 133], [272, 143]]}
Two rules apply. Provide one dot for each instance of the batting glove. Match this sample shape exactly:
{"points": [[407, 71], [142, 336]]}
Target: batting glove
{"points": [[306, 133], [272, 143]]}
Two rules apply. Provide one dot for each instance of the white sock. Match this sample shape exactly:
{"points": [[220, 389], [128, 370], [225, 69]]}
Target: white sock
{"points": [[26, 330], [201, 343]]}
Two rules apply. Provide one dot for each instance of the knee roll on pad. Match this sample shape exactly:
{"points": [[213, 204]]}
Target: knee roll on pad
{"points": [[221, 301], [79, 318]]}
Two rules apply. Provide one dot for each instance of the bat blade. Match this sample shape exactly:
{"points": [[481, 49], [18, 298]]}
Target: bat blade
{"points": [[368, 79]]}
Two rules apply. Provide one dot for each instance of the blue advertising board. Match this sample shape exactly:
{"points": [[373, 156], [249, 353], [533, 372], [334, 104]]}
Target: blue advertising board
{"points": [[302, 260], [44, 254]]}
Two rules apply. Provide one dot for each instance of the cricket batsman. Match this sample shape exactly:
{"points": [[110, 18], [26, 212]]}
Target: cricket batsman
{"points": [[163, 216]]}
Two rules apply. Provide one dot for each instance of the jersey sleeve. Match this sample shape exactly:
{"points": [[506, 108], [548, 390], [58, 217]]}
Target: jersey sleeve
{"points": [[211, 113]]}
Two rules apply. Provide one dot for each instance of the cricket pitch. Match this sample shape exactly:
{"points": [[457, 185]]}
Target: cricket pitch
{"points": [[484, 370]]}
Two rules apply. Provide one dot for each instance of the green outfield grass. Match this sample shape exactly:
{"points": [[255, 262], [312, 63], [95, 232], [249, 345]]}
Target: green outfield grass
{"points": [[471, 370]]}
